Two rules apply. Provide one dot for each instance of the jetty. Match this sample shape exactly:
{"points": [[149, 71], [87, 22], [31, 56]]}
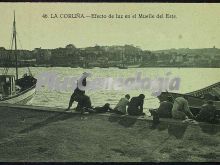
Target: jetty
{"points": [[33, 133]]}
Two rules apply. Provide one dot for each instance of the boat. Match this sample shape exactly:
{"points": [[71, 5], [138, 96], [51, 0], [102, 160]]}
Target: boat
{"points": [[197, 98], [122, 67], [15, 90], [202, 92]]}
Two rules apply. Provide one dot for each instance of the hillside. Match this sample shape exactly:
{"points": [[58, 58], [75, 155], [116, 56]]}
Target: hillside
{"points": [[203, 51]]}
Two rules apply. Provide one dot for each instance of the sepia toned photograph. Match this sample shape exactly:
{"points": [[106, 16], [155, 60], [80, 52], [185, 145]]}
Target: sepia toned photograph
{"points": [[109, 82]]}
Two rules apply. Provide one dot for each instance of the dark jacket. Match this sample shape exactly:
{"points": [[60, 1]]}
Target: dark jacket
{"points": [[135, 106], [207, 113], [165, 109]]}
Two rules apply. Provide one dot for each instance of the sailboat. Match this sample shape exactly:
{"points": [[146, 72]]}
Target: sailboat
{"points": [[15, 90], [122, 65]]}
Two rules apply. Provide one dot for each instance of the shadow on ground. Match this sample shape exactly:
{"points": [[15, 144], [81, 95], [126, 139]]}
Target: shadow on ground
{"points": [[209, 129], [52, 119], [123, 120]]}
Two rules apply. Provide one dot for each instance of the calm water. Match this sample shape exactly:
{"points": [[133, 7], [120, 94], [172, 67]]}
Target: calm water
{"points": [[191, 79]]}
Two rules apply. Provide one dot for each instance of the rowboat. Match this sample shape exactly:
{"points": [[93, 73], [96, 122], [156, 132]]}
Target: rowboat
{"points": [[15, 90], [194, 102], [214, 88], [197, 98]]}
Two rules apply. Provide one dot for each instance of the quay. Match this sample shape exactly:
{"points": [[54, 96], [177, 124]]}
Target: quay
{"points": [[34, 133]]}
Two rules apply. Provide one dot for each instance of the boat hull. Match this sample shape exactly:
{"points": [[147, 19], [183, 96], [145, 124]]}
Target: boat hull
{"points": [[196, 97], [203, 91], [192, 100], [20, 98]]}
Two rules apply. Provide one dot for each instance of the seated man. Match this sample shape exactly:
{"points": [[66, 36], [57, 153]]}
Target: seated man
{"points": [[84, 104], [77, 93], [120, 108], [103, 109], [165, 108], [207, 113], [135, 107], [181, 109]]}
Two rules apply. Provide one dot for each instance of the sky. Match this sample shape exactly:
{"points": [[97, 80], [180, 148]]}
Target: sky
{"points": [[195, 25]]}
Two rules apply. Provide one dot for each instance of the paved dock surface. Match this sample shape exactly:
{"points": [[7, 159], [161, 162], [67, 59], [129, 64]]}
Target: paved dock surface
{"points": [[47, 134]]}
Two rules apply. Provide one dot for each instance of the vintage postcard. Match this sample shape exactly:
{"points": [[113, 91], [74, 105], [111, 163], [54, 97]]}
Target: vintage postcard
{"points": [[109, 82]]}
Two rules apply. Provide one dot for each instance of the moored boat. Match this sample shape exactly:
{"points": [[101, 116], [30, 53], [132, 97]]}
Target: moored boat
{"points": [[211, 92], [201, 92], [15, 90], [193, 100], [122, 67]]}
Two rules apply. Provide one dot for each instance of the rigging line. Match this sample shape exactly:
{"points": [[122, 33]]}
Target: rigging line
{"points": [[19, 41], [10, 48], [29, 71], [11, 43]]}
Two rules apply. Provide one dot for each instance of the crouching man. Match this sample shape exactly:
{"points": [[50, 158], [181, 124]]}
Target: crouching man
{"points": [[181, 109]]}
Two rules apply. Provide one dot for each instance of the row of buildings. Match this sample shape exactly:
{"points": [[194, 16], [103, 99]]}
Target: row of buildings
{"points": [[110, 56]]}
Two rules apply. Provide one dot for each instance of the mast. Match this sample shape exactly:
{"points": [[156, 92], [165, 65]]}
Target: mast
{"points": [[15, 39], [123, 58]]}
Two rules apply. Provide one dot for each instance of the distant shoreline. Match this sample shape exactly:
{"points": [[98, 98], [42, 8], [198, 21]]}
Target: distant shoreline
{"points": [[112, 56]]}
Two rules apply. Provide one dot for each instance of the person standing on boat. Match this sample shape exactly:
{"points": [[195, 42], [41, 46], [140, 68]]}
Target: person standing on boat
{"points": [[78, 92], [181, 109], [135, 107], [120, 108]]}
